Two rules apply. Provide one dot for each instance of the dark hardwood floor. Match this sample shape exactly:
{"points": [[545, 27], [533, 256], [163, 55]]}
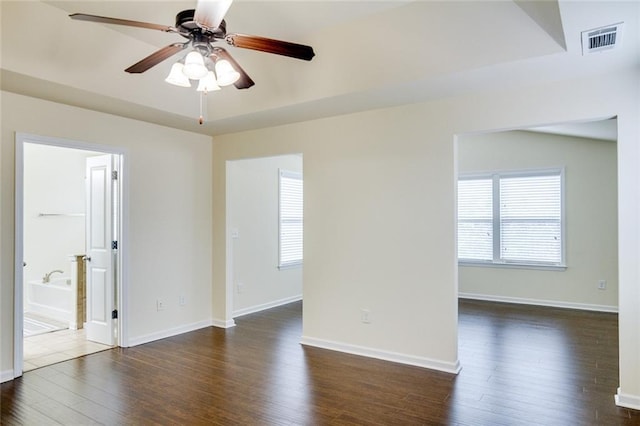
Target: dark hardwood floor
{"points": [[521, 366]]}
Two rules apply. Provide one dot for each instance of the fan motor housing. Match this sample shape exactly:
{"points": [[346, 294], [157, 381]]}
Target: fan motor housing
{"points": [[185, 23]]}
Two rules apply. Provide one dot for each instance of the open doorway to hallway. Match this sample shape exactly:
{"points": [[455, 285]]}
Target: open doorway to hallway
{"points": [[68, 202]]}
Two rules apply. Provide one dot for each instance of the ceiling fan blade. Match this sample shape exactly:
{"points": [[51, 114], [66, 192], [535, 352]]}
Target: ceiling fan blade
{"points": [[210, 13], [118, 21], [244, 82], [285, 48], [156, 57]]}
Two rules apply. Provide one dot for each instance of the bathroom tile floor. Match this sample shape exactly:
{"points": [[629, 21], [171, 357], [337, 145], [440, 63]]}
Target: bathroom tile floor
{"points": [[50, 348]]}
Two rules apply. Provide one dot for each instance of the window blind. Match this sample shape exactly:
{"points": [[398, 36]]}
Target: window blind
{"points": [[290, 218], [475, 219], [511, 218], [530, 219]]}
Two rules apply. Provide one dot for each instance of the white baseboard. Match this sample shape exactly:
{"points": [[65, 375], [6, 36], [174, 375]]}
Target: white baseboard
{"points": [[539, 302], [448, 367], [627, 401], [135, 341], [264, 306], [6, 375], [223, 323]]}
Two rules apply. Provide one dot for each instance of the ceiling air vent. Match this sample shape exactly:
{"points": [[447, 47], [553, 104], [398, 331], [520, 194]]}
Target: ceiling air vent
{"points": [[603, 38]]}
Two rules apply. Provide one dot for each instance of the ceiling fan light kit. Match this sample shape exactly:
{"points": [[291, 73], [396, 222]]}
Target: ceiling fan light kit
{"points": [[204, 26]]}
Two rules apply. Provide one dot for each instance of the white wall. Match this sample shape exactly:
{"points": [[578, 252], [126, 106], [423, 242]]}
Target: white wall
{"points": [[380, 209], [170, 219], [372, 183], [253, 211], [591, 208], [54, 182]]}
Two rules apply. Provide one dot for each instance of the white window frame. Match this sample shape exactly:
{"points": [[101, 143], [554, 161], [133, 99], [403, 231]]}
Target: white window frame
{"points": [[497, 261], [288, 263]]}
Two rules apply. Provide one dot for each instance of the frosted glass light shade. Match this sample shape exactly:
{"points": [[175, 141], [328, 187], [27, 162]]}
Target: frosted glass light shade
{"points": [[208, 83], [194, 66], [225, 73], [177, 77]]}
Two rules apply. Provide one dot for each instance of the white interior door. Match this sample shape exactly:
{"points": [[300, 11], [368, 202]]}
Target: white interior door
{"points": [[99, 252]]}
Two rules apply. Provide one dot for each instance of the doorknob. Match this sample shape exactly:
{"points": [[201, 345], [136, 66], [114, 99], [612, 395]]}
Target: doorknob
{"points": [[87, 258]]}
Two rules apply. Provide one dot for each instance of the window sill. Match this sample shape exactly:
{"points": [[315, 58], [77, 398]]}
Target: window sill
{"points": [[290, 266], [472, 264]]}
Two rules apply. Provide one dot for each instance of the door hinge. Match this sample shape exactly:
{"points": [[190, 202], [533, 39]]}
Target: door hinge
{"points": [[114, 314], [114, 245], [114, 174]]}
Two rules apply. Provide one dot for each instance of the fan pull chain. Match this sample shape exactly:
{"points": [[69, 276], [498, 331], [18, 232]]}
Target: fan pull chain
{"points": [[201, 119]]}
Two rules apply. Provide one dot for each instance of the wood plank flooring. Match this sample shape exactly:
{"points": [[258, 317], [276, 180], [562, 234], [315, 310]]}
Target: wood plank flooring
{"points": [[521, 366]]}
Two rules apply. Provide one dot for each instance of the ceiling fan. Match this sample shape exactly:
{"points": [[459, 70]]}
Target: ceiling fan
{"points": [[203, 27]]}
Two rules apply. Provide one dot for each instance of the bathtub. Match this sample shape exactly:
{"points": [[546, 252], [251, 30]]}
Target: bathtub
{"points": [[55, 299]]}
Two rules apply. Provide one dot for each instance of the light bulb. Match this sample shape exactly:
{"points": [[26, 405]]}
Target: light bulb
{"points": [[177, 77], [194, 66], [225, 73], [208, 83]]}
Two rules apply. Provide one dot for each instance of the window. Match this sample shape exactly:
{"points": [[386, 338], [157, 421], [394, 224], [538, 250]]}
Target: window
{"points": [[475, 219], [511, 219], [290, 219]]}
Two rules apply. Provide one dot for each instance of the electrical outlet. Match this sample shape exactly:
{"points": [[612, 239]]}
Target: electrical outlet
{"points": [[365, 316], [182, 300], [602, 284], [160, 305]]}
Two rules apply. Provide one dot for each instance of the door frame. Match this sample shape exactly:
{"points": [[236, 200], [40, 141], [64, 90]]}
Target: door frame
{"points": [[122, 255]]}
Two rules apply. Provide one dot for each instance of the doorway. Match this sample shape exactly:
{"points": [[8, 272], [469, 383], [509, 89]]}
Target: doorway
{"points": [[264, 232], [536, 257], [57, 201], [520, 235]]}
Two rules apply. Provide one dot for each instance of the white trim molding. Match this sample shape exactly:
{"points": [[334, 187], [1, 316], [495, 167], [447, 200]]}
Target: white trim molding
{"points": [[627, 401], [135, 341], [6, 376], [223, 323], [265, 306], [539, 302], [447, 367]]}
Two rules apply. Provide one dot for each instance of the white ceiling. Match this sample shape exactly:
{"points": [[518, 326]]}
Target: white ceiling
{"points": [[606, 130], [369, 54]]}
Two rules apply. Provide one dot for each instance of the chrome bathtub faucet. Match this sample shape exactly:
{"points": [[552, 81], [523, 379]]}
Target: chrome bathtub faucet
{"points": [[47, 277]]}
